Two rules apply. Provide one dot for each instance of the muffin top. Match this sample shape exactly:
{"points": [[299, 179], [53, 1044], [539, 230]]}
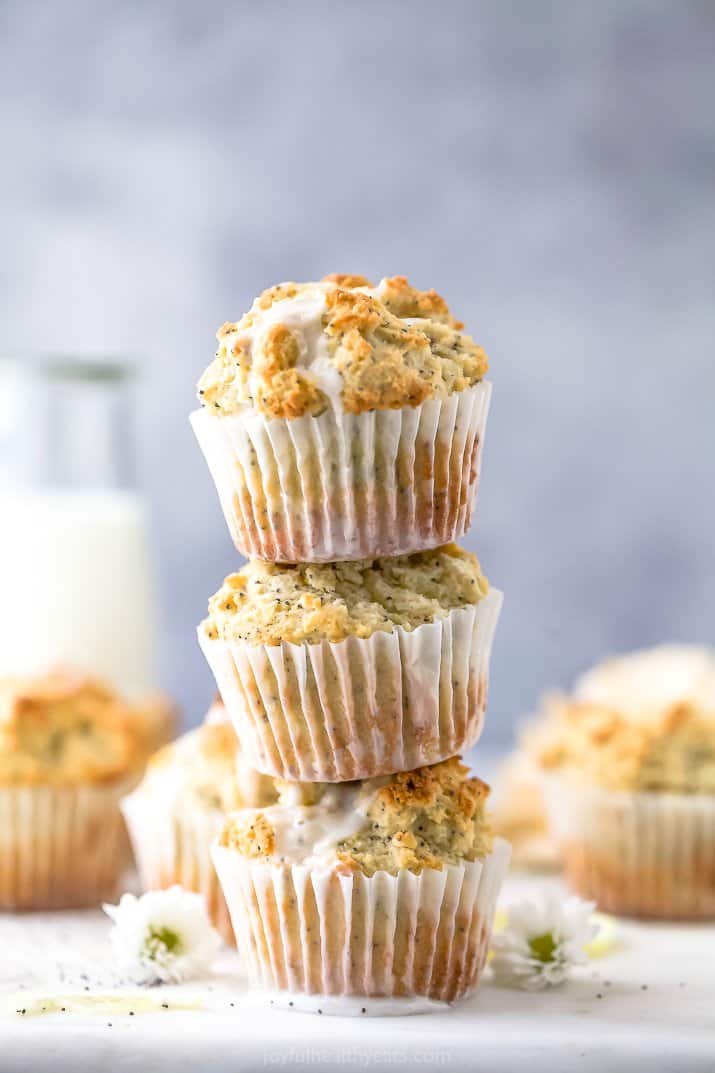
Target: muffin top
{"points": [[428, 818], [266, 603], [644, 721], [341, 343], [204, 769], [64, 728]]}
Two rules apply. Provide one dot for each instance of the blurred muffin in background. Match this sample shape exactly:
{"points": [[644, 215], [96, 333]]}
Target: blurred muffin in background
{"points": [[342, 420], [519, 811], [630, 788], [70, 748], [181, 804], [381, 887]]}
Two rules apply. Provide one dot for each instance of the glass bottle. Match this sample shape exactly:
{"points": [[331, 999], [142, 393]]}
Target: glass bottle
{"points": [[76, 582]]}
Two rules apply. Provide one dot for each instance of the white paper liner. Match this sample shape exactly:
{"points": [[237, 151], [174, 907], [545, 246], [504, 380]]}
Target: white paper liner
{"points": [[62, 847], [639, 854], [347, 486], [320, 932], [363, 706], [173, 846]]}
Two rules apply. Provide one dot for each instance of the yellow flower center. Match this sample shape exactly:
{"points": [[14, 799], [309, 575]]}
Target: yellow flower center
{"points": [[543, 947], [162, 937]]}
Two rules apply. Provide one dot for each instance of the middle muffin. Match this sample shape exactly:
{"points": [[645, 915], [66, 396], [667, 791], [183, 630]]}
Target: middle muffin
{"points": [[334, 672]]}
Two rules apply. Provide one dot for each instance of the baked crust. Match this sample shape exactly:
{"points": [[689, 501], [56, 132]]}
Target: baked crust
{"points": [[421, 819], [267, 603], [426, 818], [622, 731], [341, 341], [64, 728]]}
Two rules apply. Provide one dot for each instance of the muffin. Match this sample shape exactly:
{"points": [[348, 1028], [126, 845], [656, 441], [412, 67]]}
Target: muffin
{"points": [[334, 672], [180, 806], [341, 421], [69, 749], [385, 887], [519, 812], [630, 760]]}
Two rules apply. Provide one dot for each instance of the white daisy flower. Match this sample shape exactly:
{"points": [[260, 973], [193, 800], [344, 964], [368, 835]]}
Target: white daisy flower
{"points": [[164, 936], [542, 941]]}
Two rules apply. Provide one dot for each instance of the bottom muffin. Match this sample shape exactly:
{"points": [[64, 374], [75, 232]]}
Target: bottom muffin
{"points": [[70, 748], [180, 807], [380, 888]]}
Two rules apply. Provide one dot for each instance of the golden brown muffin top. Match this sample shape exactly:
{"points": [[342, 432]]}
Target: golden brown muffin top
{"points": [[428, 818], [65, 728], [266, 603], [203, 768], [341, 342], [645, 721]]}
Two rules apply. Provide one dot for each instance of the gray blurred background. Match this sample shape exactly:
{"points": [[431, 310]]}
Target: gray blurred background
{"points": [[549, 167]]}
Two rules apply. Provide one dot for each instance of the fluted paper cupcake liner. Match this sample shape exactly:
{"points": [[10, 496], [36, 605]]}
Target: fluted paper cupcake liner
{"points": [[347, 486], [62, 847], [331, 712], [173, 846], [639, 854], [322, 932]]}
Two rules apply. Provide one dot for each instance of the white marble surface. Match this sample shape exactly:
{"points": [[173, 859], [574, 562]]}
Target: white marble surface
{"points": [[655, 1013]]}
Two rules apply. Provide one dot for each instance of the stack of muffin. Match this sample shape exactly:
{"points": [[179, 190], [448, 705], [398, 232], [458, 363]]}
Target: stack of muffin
{"points": [[343, 426]]}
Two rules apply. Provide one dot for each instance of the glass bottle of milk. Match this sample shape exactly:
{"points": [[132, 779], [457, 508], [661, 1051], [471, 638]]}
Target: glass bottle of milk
{"points": [[76, 584]]}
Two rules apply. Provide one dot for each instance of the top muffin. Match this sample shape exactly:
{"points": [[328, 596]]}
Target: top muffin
{"points": [[62, 728], [645, 721], [341, 343]]}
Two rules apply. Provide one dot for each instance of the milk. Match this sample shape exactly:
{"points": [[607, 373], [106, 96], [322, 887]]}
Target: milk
{"points": [[76, 586]]}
